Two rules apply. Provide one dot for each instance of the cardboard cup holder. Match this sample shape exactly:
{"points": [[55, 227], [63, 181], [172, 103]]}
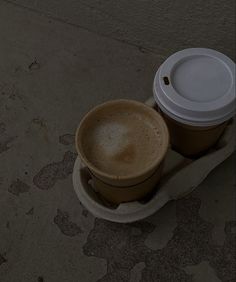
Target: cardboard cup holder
{"points": [[173, 184]]}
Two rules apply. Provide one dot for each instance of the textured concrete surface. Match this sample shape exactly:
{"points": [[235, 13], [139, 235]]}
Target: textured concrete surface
{"points": [[57, 60]]}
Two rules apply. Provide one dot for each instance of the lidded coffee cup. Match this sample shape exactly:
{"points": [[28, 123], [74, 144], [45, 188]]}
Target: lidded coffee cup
{"points": [[195, 91]]}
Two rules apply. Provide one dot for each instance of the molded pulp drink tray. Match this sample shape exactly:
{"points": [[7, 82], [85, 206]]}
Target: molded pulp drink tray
{"points": [[173, 184]]}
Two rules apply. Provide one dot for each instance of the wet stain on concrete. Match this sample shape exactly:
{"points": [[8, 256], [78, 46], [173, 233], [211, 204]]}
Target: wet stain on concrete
{"points": [[2, 259], [67, 227], [85, 213], [191, 243], [8, 225], [67, 139], [40, 279], [30, 212], [4, 145], [122, 245], [18, 187], [142, 49], [2, 128], [4, 140], [47, 177]]}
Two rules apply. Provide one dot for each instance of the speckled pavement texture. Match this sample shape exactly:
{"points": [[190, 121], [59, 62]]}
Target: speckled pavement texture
{"points": [[58, 59]]}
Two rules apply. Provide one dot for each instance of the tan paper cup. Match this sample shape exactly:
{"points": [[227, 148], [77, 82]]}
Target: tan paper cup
{"points": [[190, 140], [195, 92], [116, 194], [123, 143]]}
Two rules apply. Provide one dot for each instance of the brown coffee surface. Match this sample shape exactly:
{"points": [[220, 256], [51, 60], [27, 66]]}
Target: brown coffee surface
{"points": [[122, 141]]}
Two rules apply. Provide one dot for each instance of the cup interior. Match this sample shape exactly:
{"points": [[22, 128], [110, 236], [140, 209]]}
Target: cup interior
{"points": [[122, 139]]}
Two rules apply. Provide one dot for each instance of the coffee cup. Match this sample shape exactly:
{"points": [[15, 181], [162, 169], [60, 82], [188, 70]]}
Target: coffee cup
{"points": [[195, 92], [123, 143]]}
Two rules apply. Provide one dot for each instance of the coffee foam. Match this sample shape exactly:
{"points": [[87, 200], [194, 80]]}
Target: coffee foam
{"points": [[122, 143]]}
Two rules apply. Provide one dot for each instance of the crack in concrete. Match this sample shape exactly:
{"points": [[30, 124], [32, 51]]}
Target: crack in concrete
{"points": [[30, 211], [34, 65], [57, 19]]}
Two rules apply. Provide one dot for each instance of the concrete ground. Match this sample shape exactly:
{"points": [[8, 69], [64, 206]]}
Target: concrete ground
{"points": [[58, 59]]}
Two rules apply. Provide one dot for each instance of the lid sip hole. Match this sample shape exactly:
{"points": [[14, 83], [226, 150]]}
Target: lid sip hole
{"points": [[166, 80]]}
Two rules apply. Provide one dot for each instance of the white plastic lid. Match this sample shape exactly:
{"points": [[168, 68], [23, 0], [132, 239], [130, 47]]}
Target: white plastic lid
{"points": [[196, 86]]}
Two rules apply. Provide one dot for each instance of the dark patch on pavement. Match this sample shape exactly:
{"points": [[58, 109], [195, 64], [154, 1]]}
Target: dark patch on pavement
{"points": [[85, 213], [2, 259], [50, 174], [191, 244], [2, 128], [8, 225], [4, 140], [17, 187], [34, 65], [17, 69], [40, 279], [67, 227], [30, 212], [142, 49], [4, 145], [122, 245], [67, 139]]}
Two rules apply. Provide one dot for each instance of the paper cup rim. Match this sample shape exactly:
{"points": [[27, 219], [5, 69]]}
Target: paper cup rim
{"points": [[135, 175]]}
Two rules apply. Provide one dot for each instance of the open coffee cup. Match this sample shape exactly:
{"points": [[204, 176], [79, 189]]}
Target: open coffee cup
{"points": [[123, 143], [195, 92]]}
